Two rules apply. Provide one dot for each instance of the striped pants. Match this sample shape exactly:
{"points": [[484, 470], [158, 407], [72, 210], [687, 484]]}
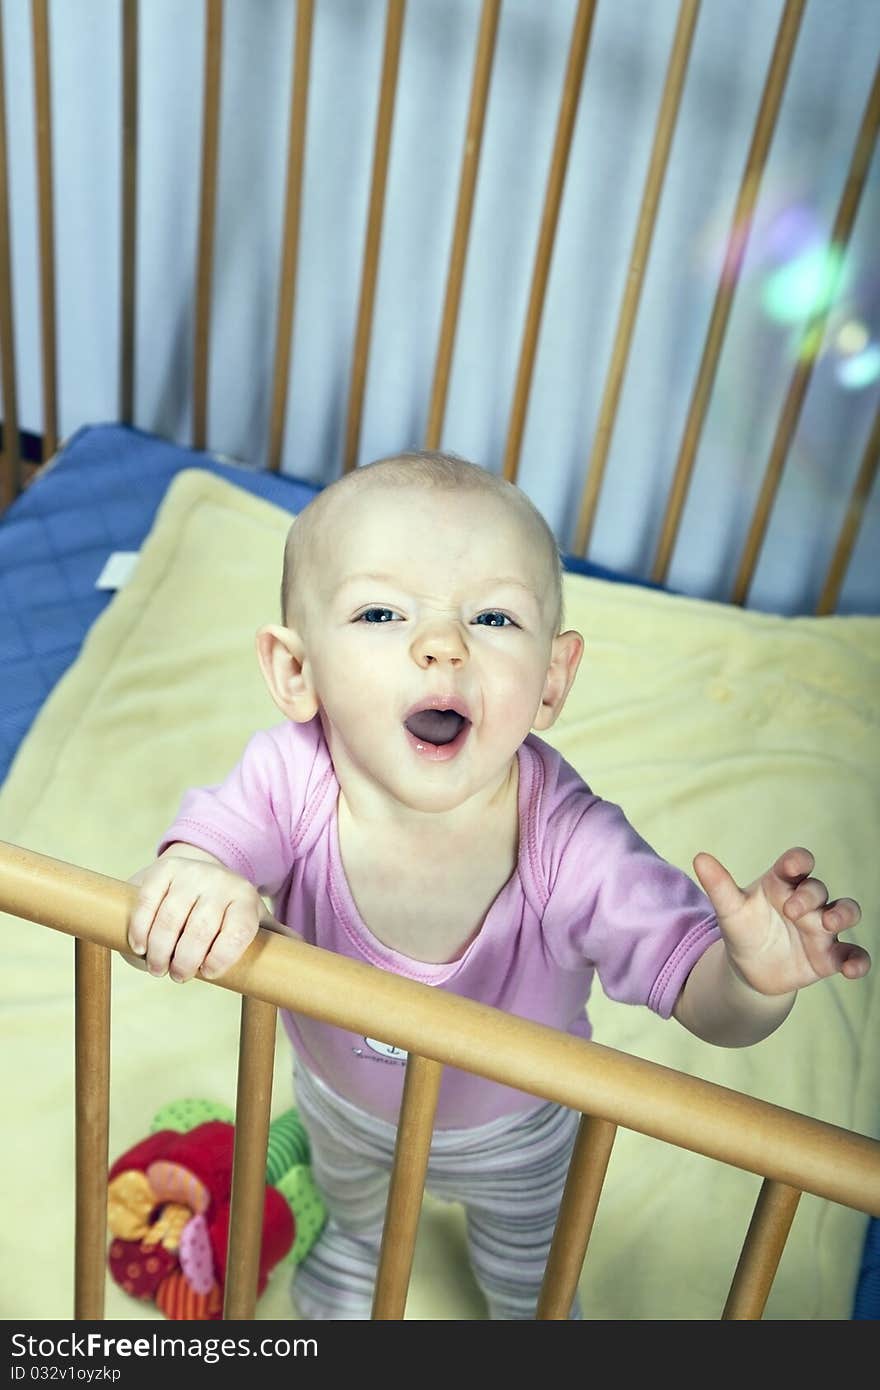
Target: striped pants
{"points": [[508, 1174]]}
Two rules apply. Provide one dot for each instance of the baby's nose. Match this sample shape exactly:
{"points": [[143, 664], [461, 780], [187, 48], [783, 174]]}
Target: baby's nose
{"points": [[440, 642]]}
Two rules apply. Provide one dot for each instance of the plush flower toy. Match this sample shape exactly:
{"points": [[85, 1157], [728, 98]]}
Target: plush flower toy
{"points": [[168, 1207]]}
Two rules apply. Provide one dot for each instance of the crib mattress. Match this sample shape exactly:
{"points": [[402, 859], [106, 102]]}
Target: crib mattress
{"points": [[39, 812]]}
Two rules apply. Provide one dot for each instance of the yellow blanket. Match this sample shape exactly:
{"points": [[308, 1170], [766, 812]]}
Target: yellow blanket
{"points": [[716, 729]]}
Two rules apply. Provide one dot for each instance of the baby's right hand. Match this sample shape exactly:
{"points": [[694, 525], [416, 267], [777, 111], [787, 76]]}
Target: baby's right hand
{"points": [[192, 917]]}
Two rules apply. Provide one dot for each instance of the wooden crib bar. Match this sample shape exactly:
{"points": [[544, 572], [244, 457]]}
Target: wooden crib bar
{"points": [[577, 1211], [571, 87], [296, 144], [128, 252], [92, 1052], [638, 261], [415, 1129], [207, 209], [381, 154], [43, 113], [810, 342], [852, 521], [10, 473], [734, 255], [256, 1060], [473, 141], [762, 1251]]}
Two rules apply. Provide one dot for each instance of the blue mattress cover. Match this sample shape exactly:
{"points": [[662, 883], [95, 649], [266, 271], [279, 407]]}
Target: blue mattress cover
{"points": [[100, 495]]}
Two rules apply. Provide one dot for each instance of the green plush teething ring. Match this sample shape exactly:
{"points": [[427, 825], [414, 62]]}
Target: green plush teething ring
{"points": [[288, 1145], [287, 1162], [184, 1115], [298, 1188]]}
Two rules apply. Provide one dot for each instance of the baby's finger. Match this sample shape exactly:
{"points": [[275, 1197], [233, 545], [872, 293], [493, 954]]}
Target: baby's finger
{"points": [[853, 962], [236, 934], [841, 914], [168, 923], [150, 899], [196, 939], [809, 894], [794, 865]]}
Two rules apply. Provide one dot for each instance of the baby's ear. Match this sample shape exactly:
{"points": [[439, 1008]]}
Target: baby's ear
{"points": [[282, 657], [565, 658]]}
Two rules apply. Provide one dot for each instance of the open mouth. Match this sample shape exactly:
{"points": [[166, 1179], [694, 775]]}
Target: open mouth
{"points": [[437, 733], [438, 726]]}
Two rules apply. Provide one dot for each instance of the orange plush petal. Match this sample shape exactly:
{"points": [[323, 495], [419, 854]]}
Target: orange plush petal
{"points": [[171, 1182]]}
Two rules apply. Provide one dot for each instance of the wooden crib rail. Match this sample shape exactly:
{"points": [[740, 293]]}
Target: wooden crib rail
{"points": [[789, 1150], [15, 474]]}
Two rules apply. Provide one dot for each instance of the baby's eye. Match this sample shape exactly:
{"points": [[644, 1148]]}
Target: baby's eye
{"points": [[377, 615], [494, 619]]}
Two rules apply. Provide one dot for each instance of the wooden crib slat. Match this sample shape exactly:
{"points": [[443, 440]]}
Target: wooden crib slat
{"points": [[381, 151], [810, 343], [129, 207], [738, 237], [415, 1128], [577, 1211], [672, 91], [571, 86], [256, 1061], [467, 183], [762, 1251], [296, 143], [43, 116], [207, 207], [292, 211], [92, 1053], [10, 473], [851, 523]]}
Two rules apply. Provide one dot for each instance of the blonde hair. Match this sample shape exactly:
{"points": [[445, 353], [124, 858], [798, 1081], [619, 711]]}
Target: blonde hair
{"points": [[425, 468]]}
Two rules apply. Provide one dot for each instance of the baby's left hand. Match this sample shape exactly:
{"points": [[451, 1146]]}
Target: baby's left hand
{"points": [[781, 932]]}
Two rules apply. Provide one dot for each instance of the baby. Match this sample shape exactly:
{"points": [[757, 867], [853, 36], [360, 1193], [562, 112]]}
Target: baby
{"points": [[405, 814]]}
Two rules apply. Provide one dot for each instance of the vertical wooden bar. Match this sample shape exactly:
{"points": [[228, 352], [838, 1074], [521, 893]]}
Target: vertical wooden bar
{"points": [[810, 343], [92, 1053], [762, 1251], [207, 207], [677, 70], [290, 246], [571, 86], [43, 113], [129, 208], [256, 1061], [852, 521], [10, 473], [384, 120], [467, 183], [415, 1128], [577, 1211], [738, 239]]}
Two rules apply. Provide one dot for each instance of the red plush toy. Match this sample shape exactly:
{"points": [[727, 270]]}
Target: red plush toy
{"points": [[168, 1209]]}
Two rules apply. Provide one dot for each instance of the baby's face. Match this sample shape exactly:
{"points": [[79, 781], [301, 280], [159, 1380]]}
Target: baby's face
{"points": [[428, 629]]}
